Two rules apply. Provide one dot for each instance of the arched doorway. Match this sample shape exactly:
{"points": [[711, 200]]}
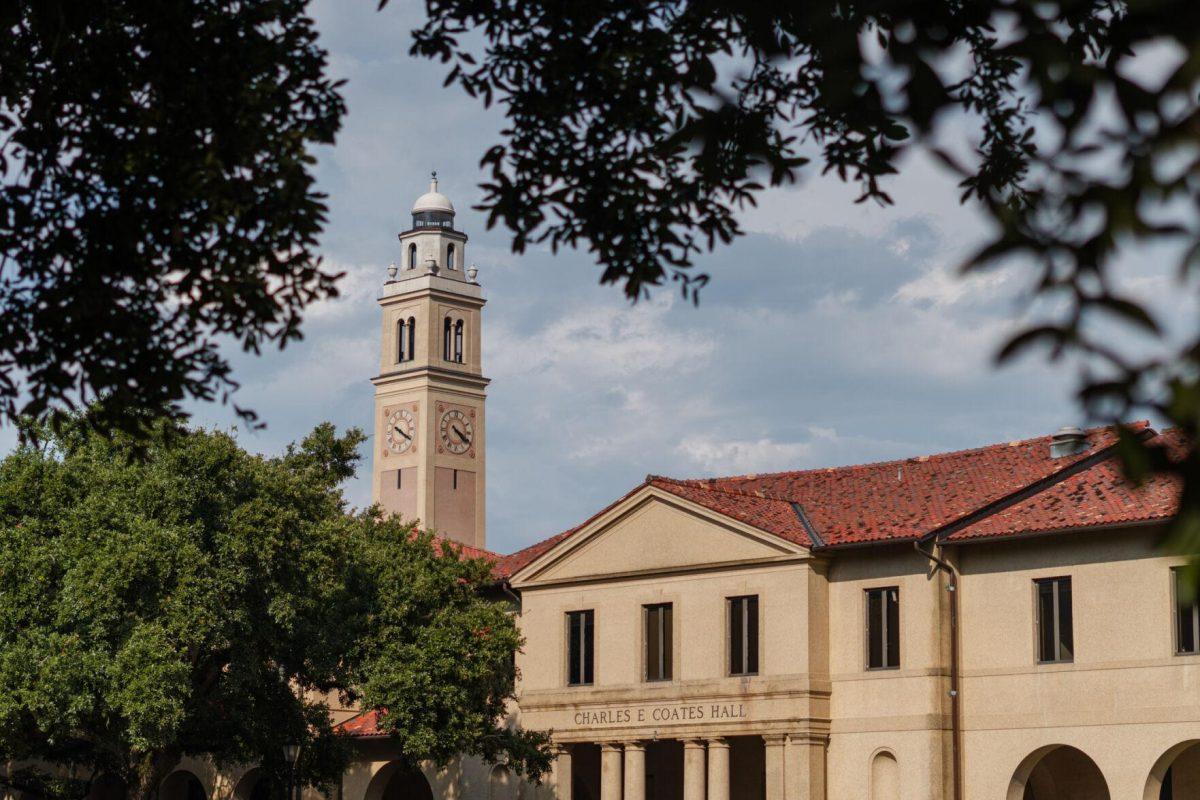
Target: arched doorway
{"points": [[1176, 774], [397, 782], [258, 784], [182, 785], [1058, 772]]}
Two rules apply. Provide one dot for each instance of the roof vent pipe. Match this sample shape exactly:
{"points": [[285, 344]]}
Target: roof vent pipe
{"points": [[1069, 441]]}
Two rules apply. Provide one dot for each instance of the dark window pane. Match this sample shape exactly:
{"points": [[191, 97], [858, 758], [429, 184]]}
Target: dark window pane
{"points": [[652, 639], [893, 627], [579, 647], [667, 649], [736, 637], [588, 645], [874, 629], [574, 645], [752, 635], [1186, 614], [1045, 609], [1066, 639]]}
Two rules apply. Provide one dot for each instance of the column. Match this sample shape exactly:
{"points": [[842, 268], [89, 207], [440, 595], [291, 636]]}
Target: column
{"points": [[635, 771], [610, 771], [562, 773], [718, 769], [773, 745], [805, 768], [693, 770]]}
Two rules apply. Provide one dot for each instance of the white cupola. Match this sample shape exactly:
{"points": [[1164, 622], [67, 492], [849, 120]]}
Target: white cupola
{"points": [[432, 246], [433, 209]]}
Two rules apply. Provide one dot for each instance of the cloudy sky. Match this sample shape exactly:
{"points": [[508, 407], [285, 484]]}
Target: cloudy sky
{"points": [[833, 333]]}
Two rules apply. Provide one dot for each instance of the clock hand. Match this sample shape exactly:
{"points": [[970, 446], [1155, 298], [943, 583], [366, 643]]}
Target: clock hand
{"points": [[402, 433], [460, 435]]}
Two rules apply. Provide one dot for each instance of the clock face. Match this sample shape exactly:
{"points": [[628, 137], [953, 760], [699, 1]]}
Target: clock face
{"points": [[401, 431], [456, 431]]}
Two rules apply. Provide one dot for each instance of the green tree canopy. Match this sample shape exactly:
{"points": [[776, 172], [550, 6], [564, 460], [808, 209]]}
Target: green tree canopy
{"points": [[156, 193], [205, 601]]}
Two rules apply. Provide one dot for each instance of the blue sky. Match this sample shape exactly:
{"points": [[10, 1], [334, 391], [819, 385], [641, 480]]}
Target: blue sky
{"points": [[832, 333]]}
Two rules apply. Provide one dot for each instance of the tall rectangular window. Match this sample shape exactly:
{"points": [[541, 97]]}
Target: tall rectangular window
{"points": [[580, 638], [658, 641], [1055, 625], [883, 628], [743, 635], [1187, 616]]}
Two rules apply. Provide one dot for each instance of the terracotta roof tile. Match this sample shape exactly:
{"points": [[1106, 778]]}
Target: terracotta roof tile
{"points": [[909, 498], [1098, 496], [364, 724]]}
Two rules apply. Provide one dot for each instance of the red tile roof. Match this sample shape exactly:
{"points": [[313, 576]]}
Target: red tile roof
{"points": [[361, 725], [1098, 496], [1008, 488]]}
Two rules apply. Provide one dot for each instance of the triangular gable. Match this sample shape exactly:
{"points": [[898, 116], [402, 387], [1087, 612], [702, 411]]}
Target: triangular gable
{"points": [[652, 531]]}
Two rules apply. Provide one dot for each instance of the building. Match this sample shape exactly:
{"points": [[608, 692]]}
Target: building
{"points": [[991, 624]]}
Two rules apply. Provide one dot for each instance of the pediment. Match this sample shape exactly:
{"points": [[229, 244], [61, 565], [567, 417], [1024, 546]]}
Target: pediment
{"points": [[650, 532]]}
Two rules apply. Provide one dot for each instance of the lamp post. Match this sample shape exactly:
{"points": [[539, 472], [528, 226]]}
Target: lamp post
{"points": [[291, 753]]}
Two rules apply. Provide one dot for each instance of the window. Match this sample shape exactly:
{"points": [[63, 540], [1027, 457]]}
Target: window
{"points": [[406, 331], [658, 641], [412, 256], [1054, 624], [580, 634], [450, 256], [743, 635], [883, 628], [1187, 616], [446, 339], [458, 341]]}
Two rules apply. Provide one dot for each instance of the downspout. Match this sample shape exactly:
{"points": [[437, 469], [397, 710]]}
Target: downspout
{"points": [[955, 678]]}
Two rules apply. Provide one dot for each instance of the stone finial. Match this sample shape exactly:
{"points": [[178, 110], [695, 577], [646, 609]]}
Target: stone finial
{"points": [[392, 270], [472, 273]]}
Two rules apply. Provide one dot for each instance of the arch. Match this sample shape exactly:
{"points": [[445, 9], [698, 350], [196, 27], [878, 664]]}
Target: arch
{"points": [[500, 783], [446, 339], [397, 781], [107, 786], [412, 256], [1176, 774], [182, 785], [412, 338], [885, 776], [402, 340], [257, 784], [458, 341], [450, 256], [1057, 772]]}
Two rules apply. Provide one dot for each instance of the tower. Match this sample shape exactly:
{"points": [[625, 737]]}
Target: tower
{"points": [[429, 446]]}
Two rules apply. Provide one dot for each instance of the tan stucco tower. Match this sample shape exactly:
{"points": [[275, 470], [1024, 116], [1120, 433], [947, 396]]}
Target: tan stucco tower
{"points": [[429, 451]]}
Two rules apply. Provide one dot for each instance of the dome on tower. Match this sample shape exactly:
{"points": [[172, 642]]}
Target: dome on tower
{"points": [[433, 200]]}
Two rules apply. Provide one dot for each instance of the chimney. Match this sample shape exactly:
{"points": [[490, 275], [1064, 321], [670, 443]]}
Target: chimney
{"points": [[1069, 441]]}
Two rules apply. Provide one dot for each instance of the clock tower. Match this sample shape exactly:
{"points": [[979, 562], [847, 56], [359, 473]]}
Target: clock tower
{"points": [[430, 391]]}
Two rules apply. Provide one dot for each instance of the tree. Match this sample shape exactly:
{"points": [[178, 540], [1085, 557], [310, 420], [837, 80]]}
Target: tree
{"points": [[637, 128], [156, 198], [204, 601]]}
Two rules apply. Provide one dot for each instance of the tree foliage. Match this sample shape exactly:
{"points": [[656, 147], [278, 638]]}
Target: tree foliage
{"points": [[204, 601], [157, 195], [638, 129]]}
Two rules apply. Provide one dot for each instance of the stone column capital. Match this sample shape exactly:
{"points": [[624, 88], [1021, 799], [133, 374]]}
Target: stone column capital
{"points": [[774, 739], [610, 747], [694, 744], [633, 744], [719, 743]]}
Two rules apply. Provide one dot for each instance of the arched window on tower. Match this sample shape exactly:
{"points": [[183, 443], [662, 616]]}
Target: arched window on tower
{"points": [[412, 338], [412, 256], [446, 339], [401, 340], [449, 256], [458, 341]]}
